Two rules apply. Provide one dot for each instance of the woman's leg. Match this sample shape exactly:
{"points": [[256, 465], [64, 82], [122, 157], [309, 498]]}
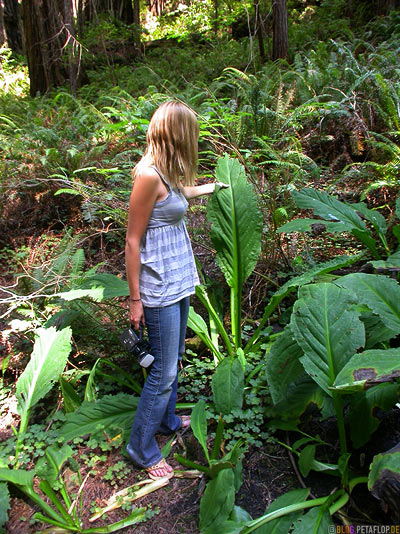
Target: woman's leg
{"points": [[164, 329], [170, 420]]}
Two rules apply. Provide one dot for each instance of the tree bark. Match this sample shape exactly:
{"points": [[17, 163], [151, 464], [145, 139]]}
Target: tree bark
{"points": [[80, 18], [50, 39], [280, 45], [258, 31], [126, 11], [72, 47], [3, 35], [215, 23], [12, 26], [156, 7], [386, 6], [119, 9], [136, 21]]}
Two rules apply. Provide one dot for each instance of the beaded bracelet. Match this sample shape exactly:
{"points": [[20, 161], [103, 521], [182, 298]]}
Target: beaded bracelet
{"points": [[134, 300]]}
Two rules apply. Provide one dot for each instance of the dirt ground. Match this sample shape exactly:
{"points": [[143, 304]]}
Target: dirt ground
{"points": [[267, 473]]}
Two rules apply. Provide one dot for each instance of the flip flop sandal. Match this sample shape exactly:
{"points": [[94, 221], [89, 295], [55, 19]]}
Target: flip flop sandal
{"points": [[161, 465]]}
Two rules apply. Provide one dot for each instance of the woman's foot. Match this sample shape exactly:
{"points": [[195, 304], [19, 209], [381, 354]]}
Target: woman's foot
{"points": [[185, 421], [160, 470]]}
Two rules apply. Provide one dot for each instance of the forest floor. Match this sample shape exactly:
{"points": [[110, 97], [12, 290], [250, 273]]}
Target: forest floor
{"points": [[268, 472]]}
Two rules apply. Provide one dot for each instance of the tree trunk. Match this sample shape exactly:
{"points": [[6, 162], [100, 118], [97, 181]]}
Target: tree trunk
{"points": [[136, 21], [50, 38], [258, 30], [72, 48], [12, 26], [215, 23], [386, 6], [156, 7], [80, 18], [3, 35], [280, 44], [119, 9], [126, 11]]}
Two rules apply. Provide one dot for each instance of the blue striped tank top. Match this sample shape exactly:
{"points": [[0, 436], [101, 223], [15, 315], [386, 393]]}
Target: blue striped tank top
{"points": [[167, 267]]}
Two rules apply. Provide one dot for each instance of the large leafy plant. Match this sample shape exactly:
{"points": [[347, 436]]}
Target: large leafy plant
{"points": [[236, 226], [236, 234], [368, 226], [336, 354], [316, 361], [223, 470], [64, 511], [48, 360]]}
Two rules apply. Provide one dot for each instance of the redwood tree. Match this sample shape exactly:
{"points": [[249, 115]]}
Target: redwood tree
{"points": [[50, 43], [10, 27], [122, 10], [3, 35], [280, 44]]}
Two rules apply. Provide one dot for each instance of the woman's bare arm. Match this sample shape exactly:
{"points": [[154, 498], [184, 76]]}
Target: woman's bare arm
{"points": [[195, 191], [145, 193]]}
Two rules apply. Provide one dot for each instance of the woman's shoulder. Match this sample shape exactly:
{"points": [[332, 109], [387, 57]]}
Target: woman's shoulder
{"points": [[146, 172], [146, 177]]}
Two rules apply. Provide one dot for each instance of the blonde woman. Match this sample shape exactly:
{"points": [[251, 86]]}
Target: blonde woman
{"points": [[161, 271]]}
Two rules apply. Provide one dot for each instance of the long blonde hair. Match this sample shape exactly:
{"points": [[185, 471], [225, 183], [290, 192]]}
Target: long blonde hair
{"points": [[172, 143]]}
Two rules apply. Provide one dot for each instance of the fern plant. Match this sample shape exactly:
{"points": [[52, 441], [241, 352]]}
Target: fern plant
{"points": [[341, 217]]}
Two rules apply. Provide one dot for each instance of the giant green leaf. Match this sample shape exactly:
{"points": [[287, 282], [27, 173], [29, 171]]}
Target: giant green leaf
{"points": [[327, 329], [315, 521], [392, 262], [294, 283], [199, 327], [49, 466], [300, 394], [48, 359], [4, 503], [91, 417], [217, 502], [18, 477], [363, 410], [198, 422], [331, 209], [236, 224], [369, 368], [282, 524], [283, 365], [99, 287], [227, 385], [380, 293], [384, 467]]}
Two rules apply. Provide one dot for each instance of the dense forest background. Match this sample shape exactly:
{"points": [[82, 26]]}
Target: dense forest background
{"points": [[299, 109]]}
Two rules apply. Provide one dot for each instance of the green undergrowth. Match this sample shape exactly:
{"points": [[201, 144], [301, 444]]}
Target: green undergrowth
{"points": [[326, 121]]}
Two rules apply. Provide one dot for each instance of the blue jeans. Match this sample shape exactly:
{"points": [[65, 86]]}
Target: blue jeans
{"points": [[166, 327]]}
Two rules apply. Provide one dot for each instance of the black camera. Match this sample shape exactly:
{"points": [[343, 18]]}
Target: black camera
{"points": [[136, 345]]}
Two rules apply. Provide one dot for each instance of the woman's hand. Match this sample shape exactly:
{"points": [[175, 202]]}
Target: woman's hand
{"points": [[136, 315], [222, 185]]}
